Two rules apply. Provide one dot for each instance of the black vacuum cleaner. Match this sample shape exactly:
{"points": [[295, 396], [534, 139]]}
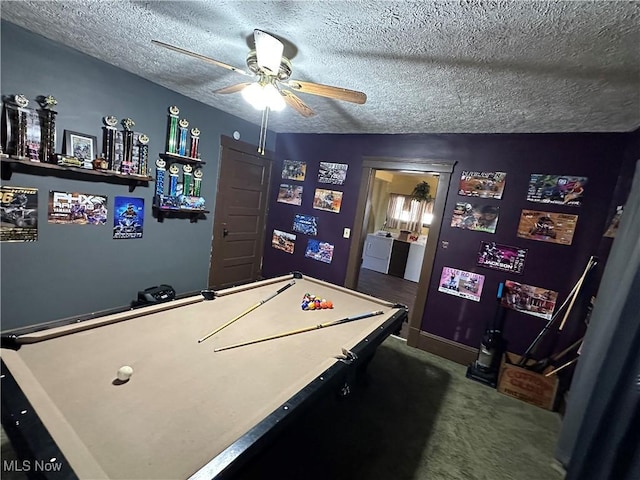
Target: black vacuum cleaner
{"points": [[487, 366]]}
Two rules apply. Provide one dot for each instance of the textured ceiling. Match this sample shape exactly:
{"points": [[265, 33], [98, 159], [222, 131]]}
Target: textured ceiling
{"points": [[463, 66]]}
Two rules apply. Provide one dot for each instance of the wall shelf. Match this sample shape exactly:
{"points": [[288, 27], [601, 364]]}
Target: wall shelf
{"points": [[162, 212], [174, 157], [12, 164], [192, 213]]}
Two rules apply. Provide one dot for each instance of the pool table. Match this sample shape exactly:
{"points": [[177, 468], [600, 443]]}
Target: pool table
{"points": [[189, 410]]}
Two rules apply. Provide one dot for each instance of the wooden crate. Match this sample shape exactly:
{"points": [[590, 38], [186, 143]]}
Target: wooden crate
{"points": [[526, 385]]}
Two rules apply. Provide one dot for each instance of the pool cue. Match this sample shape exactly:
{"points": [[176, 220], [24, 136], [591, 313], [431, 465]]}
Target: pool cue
{"points": [[546, 328], [302, 330], [248, 310], [560, 368], [553, 359], [592, 263], [570, 299]]}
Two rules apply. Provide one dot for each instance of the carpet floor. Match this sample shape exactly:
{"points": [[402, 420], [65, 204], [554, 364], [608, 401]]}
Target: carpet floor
{"points": [[415, 416]]}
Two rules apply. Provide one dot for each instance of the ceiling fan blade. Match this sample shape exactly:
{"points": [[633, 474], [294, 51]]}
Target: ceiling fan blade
{"points": [[233, 88], [298, 105], [268, 51], [327, 91], [202, 57]]}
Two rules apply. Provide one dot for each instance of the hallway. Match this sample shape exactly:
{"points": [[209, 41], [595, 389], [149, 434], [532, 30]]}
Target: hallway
{"points": [[390, 288]]}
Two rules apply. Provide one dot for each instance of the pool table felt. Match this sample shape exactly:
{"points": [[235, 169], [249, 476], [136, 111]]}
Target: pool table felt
{"points": [[184, 403]]}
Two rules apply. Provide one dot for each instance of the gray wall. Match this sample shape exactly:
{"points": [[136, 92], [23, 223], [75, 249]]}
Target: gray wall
{"points": [[77, 269]]}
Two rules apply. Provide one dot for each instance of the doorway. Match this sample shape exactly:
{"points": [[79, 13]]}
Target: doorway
{"points": [[365, 210], [396, 235], [241, 202]]}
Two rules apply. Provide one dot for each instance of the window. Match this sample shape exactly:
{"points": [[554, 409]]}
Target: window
{"points": [[406, 213]]}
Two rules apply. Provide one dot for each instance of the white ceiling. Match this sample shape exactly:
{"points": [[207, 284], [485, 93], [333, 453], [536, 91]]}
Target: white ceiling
{"points": [[427, 67]]}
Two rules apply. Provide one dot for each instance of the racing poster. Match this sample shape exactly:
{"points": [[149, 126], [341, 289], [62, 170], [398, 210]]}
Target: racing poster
{"points": [[461, 284], [321, 251], [283, 241], [329, 200], [18, 214], [535, 301], [291, 194], [481, 218], [556, 189], [77, 208], [482, 184], [293, 170], [307, 224], [501, 257], [335, 173], [547, 226], [128, 217]]}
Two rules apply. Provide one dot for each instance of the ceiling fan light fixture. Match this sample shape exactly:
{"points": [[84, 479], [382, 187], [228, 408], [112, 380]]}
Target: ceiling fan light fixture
{"points": [[269, 51], [273, 98], [254, 95], [260, 96]]}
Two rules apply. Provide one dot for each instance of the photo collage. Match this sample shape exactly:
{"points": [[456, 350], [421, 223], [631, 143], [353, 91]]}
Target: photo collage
{"points": [[324, 199], [563, 192]]}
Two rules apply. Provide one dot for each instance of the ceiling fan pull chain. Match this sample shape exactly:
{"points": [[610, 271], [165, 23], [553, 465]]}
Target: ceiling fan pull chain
{"points": [[263, 130]]}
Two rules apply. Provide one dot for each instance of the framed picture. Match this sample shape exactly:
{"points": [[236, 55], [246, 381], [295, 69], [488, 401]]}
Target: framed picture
{"points": [[80, 145]]}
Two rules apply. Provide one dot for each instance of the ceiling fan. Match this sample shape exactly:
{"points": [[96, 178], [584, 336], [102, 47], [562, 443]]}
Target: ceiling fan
{"points": [[272, 87]]}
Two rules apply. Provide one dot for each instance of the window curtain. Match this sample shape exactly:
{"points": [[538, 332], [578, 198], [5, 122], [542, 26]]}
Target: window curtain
{"points": [[406, 213], [394, 210], [600, 435]]}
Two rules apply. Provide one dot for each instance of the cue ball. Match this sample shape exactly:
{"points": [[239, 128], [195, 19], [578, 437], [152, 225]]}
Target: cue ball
{"points": [[124, 373]]}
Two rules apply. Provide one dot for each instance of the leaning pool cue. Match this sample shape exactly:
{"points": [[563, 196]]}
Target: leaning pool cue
{"points": [[302, 330], [570, 362], [592, 263], [248, 310], [570, 299]]}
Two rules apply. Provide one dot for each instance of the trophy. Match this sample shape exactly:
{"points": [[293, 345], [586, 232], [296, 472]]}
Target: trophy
{"points": [[174, 170], [182, 143], [172, 134], [143, 154], [195, 140], [197, 182], [48, 127], [127, 146], [109, 140], [18, 142], [186, 179], [160, 172]]}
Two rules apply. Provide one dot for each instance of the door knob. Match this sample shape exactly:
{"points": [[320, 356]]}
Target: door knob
{"points": [[225, 232]]}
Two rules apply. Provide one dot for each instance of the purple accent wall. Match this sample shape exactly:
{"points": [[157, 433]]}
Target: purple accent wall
{"points": [[313, 150], [557, 267]]}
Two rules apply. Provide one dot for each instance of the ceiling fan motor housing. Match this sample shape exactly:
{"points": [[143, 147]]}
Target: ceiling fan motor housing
{"points": [[284, 72]]}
